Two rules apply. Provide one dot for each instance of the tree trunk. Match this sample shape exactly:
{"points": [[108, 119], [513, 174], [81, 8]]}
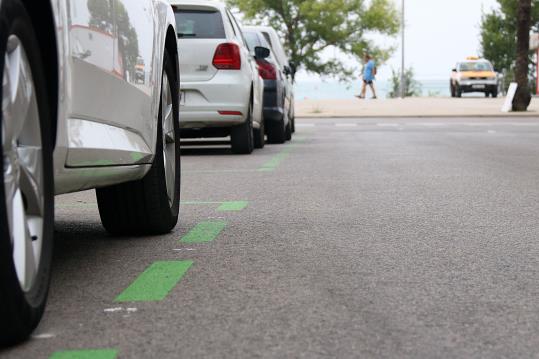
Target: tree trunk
{"points": [[523, 96]]}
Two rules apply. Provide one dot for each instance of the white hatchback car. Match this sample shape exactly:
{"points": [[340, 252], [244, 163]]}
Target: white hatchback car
{"points": [[89, 100], [221, 90]]}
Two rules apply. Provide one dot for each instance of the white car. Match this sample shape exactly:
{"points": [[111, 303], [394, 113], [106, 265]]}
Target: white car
{"points": [[221, 90], [288, 69], [89, 100]]}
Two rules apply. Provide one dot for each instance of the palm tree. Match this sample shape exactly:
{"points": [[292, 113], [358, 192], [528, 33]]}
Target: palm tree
{"points": [[523, 97]]}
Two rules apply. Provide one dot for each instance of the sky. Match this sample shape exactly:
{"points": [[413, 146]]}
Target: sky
{"points": [[438, 34]]}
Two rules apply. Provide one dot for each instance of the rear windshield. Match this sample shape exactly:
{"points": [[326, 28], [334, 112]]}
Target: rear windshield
{"points": [[475, 66], [195, 24]]}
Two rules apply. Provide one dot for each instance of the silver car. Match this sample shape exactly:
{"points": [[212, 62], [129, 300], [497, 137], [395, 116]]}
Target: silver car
{"points": [[89, 100]]}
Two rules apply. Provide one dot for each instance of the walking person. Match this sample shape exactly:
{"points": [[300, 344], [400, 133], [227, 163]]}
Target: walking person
{"points": [[369, 75]]}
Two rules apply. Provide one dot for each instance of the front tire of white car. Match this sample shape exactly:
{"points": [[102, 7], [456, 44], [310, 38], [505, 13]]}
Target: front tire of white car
{"points": [[27, 189], [150, 206]]}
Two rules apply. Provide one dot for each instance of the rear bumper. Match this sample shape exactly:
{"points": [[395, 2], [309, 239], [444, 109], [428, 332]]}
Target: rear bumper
{"points": [[273, 101], [205, 102]]}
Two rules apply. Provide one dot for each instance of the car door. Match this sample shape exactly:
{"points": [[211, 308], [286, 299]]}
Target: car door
{"points": [[110, 118]]}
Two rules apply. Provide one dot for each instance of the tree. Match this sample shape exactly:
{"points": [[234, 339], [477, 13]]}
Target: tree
{"points": [[308, 27], [523, 97], [499, 33], [412, 88]]}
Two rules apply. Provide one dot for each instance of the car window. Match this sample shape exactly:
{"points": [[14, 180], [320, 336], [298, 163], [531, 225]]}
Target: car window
{"points": [[252, 40], [200, 24], [475, 66], [267, 37]]}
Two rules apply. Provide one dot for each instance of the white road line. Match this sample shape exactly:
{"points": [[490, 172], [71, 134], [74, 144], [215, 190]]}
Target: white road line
{"points": [[346, 124], [491, 131], [305, 124], [388, 125]]}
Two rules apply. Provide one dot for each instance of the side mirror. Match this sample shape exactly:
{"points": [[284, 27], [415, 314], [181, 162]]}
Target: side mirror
{"points": [[287, 70], [293, 68], [261, 53], [454, 70]]}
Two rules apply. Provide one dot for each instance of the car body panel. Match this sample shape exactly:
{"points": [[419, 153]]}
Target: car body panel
{"points": [[107, 116]]}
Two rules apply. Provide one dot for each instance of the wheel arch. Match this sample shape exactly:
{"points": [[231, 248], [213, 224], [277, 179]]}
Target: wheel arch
{"points": [[171, 45], [41, 13]]}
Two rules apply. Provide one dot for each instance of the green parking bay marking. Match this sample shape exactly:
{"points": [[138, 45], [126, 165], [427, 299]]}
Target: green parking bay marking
{"points": [[233, 206], [227, 206], [204, 232], [154, 284], [272, 164], [86, 354]]}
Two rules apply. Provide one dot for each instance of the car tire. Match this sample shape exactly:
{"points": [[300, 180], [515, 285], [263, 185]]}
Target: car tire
{"points": [[241, 136], [452, 90], [260, 136], [495, 94], [276, 131], [487, 94], [458, 91], [27, 218], [150, 206], [293, 125], [288, 132]]}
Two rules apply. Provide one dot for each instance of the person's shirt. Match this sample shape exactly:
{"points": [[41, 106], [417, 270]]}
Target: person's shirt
{"points": [[368, 73]]}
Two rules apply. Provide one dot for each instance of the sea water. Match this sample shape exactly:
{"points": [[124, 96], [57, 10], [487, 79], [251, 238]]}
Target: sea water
{"points": [[335, 90]]}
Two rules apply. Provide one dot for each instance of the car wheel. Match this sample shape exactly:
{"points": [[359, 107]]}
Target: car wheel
{"points": [[288, 132], [241, 136], [150, 205], [452, 89], [260, 136], [495, 94], [27, 193], [276, 131], [487, 94], [293, 125], [458, 91]]}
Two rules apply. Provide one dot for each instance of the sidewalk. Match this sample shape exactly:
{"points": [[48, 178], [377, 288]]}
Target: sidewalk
{"points": [[411, 107]]}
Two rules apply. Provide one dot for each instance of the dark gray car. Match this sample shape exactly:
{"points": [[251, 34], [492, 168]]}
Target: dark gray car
{"points": [[276, 108]]}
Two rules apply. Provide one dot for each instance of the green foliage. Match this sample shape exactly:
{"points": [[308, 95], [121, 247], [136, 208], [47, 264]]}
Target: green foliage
{"points": [[412, 88], [498, 36], [310, 26]]}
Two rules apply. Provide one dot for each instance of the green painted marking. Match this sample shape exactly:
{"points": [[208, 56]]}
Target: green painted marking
{"points": [[233, 206], [86, 354], [198, 202], [272, 164], [204, 232], [155, 282]]}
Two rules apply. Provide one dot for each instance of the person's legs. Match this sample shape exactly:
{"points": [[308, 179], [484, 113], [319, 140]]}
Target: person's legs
{"points": [[363, 90], [373, 90]]}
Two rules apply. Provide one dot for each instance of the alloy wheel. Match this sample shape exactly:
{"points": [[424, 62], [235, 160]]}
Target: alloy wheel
{"points": [[169, 138], [22, 163]]}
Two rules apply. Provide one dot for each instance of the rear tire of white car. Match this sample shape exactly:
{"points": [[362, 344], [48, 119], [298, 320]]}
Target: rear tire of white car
{"points": [[241, 136], [260, 136], [26, 182], [150, 206]]}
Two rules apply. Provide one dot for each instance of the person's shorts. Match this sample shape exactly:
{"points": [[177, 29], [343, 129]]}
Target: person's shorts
{"points": [[368, 82]]}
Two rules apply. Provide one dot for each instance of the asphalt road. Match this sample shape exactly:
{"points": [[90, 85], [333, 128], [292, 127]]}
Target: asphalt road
{"points": [[362, 238]]}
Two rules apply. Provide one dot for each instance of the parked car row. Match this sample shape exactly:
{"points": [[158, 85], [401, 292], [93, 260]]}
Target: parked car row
{"points": [[91, 98], [235, 82]]}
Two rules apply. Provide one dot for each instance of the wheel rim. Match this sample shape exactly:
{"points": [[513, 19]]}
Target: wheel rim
{"points": [[23, 163], [169, 138]]}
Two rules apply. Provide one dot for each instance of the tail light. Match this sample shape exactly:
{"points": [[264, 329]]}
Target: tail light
{"points": [[267, 70], [227, 57]]}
